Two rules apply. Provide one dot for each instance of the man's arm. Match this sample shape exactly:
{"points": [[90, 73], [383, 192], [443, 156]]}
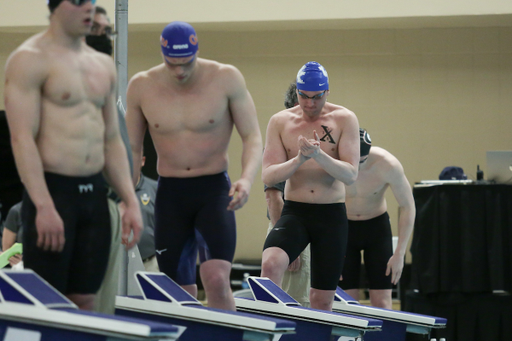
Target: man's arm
{"points": [[136, 123], [346, 168], [275, 203], [276, 168], [8, 238], [11, 227], [24, 77], [407, 211], [117, 170], [245, 119]]}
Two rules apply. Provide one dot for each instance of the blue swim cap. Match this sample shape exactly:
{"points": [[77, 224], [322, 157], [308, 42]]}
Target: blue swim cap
{"points": [[179, 40], [312, 77]]}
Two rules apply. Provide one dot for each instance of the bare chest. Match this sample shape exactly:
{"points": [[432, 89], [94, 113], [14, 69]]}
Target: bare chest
{"points": [[196, 111], [327, 131], [369, 185], [71, 83]]}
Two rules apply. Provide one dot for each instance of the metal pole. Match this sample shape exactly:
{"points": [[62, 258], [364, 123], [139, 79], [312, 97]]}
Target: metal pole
{"points": [[121, 59], [121, 48]]}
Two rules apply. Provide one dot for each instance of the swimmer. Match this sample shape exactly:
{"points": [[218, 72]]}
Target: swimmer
{"points": [[60, 105], [190, 106], [314, 147], [369, 226], [296, 279]]}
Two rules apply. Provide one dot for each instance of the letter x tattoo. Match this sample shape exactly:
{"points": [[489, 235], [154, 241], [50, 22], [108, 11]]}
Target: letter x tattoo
{"points": [[327, 135]]}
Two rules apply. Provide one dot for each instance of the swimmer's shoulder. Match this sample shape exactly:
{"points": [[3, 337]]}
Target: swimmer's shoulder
{"points": [[338, 110], [221, 71], [146, 77], [30, 58], [383, 159], [286, 115]]}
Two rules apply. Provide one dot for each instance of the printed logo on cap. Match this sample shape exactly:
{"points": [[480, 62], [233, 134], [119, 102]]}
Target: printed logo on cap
{"points": [[164, 42], [324, 71], [193, 39], [300, 74]]}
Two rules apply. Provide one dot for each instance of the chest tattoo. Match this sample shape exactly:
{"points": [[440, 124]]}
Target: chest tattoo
{"points": [[327, 137]]}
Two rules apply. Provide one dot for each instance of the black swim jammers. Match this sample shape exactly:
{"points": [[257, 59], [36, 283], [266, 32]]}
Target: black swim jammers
{"points": [[374, 237], [82, 204], [325, 227]]}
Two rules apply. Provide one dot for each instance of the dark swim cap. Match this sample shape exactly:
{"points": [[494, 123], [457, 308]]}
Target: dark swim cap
{"points": [[179, 40], [366, 142], [312, 77], [53, 4]]}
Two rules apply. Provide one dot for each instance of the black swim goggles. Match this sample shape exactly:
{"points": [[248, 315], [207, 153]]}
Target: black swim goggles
{"points": [[317, 96], [81, 2]]}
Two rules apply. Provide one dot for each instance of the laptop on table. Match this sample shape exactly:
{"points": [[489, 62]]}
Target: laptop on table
{"points": [[499, 166]]}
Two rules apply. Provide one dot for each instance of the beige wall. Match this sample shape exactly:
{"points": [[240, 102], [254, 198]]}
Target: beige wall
{"points": [[432, 96], [34, 12]]}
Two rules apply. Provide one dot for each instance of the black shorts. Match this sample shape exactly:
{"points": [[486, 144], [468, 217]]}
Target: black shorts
{"points": [[82, 204], [374, 237], [325, 227], [191, 215]]}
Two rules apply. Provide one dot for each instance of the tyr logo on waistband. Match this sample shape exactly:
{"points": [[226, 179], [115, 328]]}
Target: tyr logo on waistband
{"points": [[85, 188]]}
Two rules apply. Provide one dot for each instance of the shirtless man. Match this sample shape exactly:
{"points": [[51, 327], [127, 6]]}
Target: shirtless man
{"points": [[369, 226], [190, 105], [296, 280], [59, 99], [314, 147]]}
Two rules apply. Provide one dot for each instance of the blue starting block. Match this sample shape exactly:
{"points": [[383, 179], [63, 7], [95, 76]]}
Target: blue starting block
{"points": [[395, 323], [164, 300], [312, 324], [32, 310]]}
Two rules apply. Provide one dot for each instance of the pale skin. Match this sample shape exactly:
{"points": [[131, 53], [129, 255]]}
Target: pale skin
{"points": [[60, 105], [190, 106], [315, 170], [365, 200]]}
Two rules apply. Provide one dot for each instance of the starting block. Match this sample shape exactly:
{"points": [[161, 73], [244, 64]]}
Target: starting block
{"points": [[395, 323], [312, 324], [32, 310], [164, 300]]}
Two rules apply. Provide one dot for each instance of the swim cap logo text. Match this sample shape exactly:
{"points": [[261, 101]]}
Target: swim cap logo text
{"points": [[180, 46]]}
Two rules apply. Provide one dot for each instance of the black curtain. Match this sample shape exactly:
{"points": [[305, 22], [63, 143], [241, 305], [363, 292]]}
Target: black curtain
{"points": [[462, 260], [11, 188]]}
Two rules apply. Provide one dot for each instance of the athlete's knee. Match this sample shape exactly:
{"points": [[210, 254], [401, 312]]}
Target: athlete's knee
{"points": [[215, 281], [381, 299], [321, 299], [215, 275], [275, 261]]}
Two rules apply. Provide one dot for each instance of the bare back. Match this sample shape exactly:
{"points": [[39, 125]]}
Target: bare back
{"points": [[366, 197], [310, 183], [73, 85], [190, 125]]}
